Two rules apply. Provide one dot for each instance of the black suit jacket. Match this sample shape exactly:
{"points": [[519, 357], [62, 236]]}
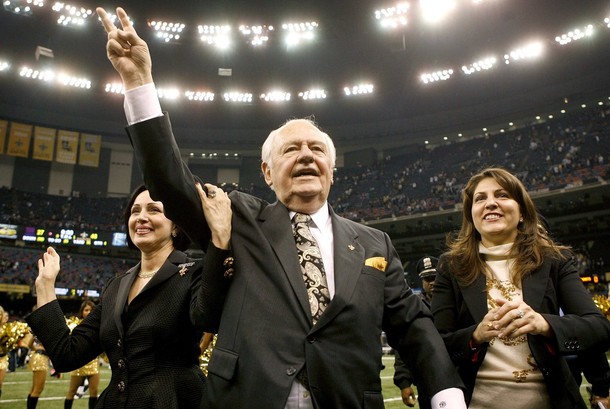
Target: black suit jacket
{"points": [[265, 334], [152, 344], [556, 284]]}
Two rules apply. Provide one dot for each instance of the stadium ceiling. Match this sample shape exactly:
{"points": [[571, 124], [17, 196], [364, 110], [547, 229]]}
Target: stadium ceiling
{"points": [[349, 48]]}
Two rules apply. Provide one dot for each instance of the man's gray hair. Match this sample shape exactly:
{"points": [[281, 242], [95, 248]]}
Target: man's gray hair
{"points": [[267, 149]]}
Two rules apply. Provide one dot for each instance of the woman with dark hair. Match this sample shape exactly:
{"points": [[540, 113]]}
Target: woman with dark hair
{"points": [[149, 320], [89, 372], [497, 298]]}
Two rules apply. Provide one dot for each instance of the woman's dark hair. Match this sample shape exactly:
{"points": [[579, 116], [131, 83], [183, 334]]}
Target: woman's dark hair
{"points": [[83, 305], [180, 241]]}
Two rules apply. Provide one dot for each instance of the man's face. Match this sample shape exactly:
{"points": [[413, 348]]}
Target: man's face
{"points": [[428, 284], [300, 168]]}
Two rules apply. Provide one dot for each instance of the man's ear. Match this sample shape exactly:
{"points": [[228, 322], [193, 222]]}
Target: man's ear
{"points": [[267, 173]]}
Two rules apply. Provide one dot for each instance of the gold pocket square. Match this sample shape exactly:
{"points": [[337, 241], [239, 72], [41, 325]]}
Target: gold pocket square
{"points": [[376, 262]]}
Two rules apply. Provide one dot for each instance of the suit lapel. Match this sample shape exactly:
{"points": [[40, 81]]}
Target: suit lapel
{"points": [[534, 286], [123, 293], [168, 269], [276, 227], [475, 298]]}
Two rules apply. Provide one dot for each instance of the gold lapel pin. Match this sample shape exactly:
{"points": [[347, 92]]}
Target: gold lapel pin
{"points": [[183, 270]]}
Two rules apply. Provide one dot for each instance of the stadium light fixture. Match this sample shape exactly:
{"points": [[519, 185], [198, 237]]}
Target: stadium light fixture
{"points": [[440, 75], [529, 51], [41, 75], [434, 11], [168, 93], [299, 33], [316, 93], [70, 15], [575, 35], [481, 65], [114, 88], [4, 66], [72, 81], [256, 35], [218, 36], [358, 89], [237, 97], [22, 7], [201, 96], [276, 96], [167, 31], [394, 17]]}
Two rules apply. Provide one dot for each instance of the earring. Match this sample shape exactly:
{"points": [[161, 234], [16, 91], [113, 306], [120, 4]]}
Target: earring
{"points": [[174, 234], [521, 220]]}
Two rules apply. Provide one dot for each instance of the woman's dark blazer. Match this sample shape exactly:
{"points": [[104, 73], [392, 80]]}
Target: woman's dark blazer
{"points": [[152, 344], [556, 284]]}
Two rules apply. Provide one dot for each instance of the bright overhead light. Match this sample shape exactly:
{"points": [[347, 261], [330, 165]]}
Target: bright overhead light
{"points": [[70, 15], [436, 10], [22, 7], [114, 88], [441, 75], [312, 94], [529, 51], [216, 35], [4, 66], [393, 17], [41, 75], [298, 33], [481, 65], [256, 35], [168, 93], [202, 96], [276, 96], [575, 35], [358, 89], [237, 97], [167, 31], [72, 81]]}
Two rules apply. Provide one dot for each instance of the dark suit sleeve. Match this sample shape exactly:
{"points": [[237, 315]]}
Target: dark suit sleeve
{"points": [[168, 178], [68, 351], [595, 367], [582, 327], [457, 333], [209, 300], [402, 374], [411, 331]]}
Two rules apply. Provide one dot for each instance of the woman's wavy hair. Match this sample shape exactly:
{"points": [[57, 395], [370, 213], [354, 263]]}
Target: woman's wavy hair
{"points": [[180, 241], [532, 244]]}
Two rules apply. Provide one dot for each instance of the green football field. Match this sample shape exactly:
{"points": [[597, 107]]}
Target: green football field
{"points": [[17, 386]]}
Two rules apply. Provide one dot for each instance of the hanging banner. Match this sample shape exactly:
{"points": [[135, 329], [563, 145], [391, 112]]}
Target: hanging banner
{"points": [[44, 143], [90, 146], [67, 146], [3, 129], [19, 140]]}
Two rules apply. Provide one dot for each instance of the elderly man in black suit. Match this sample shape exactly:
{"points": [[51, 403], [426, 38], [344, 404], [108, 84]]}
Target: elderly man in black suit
{"points": [[311, 291]]}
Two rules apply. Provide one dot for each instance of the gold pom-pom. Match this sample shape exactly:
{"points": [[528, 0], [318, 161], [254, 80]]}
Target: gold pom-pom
{"points": [[204, 358], [10, 334], [72, 322]]}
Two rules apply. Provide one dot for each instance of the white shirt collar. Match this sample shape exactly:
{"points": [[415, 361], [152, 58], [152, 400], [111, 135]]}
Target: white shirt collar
{"points": [[319, 217]]}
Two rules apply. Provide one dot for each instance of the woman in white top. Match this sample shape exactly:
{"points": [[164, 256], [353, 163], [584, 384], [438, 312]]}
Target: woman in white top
{"points": [[497, 298]]}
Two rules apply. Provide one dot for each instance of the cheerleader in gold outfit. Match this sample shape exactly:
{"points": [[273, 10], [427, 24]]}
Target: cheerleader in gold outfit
{"points": [[90, 372], [3, 354], [39, 364]]}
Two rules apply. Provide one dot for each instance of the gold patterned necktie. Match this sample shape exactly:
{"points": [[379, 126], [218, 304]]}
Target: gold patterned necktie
{"points": [[312, 266]]}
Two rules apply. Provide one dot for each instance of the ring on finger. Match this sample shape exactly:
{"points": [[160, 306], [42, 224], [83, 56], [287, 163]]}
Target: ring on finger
{"points": [[520, 313], [211, 194], [490, 325]]}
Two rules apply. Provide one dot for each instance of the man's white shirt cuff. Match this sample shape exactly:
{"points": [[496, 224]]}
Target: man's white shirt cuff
{"points": [[452, 398], [142, 103]]}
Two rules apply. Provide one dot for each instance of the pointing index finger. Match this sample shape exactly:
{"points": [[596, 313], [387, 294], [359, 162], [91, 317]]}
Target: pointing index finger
{"points": [[108, 26]]}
